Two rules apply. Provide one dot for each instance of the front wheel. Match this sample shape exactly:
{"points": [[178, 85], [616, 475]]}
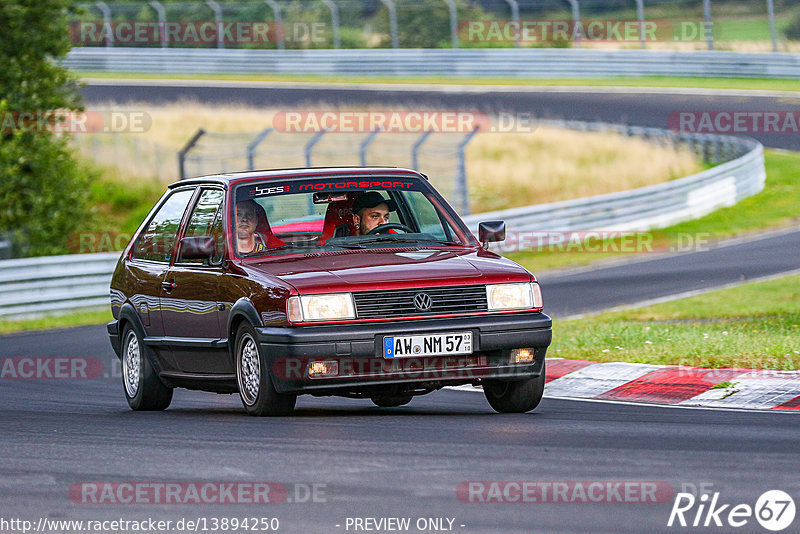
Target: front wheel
{"points": [[256, 390], [143, 389], [515, 397]]}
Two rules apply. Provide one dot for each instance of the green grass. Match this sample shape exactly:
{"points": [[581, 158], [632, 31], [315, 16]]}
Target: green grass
{"points": [[756, 325], [775, 207], [47, 322], [760, 84]]}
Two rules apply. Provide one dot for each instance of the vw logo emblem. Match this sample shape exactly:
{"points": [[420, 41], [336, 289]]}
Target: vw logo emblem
{"points": [[422, 301]]}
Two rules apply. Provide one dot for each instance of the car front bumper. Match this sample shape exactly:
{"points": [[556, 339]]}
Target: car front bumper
{"points": [[357, 349]]}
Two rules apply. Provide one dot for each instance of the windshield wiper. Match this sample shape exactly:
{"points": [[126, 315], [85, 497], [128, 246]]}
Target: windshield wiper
{"points": [[347, 245], [382, 239], [444, 242]]}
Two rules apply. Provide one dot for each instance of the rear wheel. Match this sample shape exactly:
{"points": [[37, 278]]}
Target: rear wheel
{"points": [[391, 402], [256, 390], [143, 389], [515, 397]]}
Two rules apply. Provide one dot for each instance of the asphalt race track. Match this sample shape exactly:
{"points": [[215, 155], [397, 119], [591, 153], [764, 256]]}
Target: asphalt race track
{"points": [[400, 462], [372, 462], [408, 462], [731, 262]]}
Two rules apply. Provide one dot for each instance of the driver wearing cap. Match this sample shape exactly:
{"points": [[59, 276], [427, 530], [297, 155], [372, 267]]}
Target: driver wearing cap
{"points": [[371, 210]]}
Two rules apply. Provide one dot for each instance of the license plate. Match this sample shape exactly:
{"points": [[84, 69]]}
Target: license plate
{"points": [[427, 345]]}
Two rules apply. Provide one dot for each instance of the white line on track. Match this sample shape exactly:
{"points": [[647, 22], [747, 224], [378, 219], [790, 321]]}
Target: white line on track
{"points": [[648, 404]]}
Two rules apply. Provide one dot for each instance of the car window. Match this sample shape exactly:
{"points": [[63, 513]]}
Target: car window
{"points": [[275, 218], [205, 217], [157, 240], [425, 216]]}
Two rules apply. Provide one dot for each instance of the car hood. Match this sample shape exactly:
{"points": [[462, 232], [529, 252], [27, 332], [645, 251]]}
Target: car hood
{"points": [[389, 269]]}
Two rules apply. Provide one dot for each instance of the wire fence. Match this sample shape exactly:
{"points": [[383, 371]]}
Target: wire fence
{"points": [[129, 154], [440, 155], [760, 25]]}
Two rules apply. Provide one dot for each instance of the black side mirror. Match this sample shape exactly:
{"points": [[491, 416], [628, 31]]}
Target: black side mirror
{"points": [[197, 248], [491, 232]]}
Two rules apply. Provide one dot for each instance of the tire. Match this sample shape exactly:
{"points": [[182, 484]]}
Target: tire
{"points": [[143, 389], [515, 397], [254, 379], [391, 402]]}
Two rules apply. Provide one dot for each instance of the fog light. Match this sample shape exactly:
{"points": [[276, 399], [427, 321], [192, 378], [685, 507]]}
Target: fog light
{"points": [[522, 355], [323, 368]]}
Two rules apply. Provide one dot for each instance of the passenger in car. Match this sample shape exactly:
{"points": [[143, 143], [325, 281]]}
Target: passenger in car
{"points": [[247, 239], [371, 210]]}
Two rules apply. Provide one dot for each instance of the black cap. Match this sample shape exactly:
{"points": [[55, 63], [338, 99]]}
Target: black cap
{"points": [[370, 199]]}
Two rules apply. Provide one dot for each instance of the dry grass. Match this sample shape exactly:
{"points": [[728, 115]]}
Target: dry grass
{"points": [[551, 164], [504, 169]]}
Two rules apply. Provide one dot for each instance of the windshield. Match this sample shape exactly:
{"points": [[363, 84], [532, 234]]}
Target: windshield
{"points": [[273, 217]]}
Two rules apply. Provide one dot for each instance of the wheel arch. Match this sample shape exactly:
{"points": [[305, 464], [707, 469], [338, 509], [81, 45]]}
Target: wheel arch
{"points": [[243, 310], [128, 316]]}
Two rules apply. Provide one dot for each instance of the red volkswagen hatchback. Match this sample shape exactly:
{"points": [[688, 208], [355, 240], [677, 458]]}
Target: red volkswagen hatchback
{"points": [[360, 282]]}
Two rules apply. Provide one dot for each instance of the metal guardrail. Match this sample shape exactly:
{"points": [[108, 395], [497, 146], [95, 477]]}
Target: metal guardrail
{"points": [[497, 62], [61, 283], [654, 206], [31, 286]]}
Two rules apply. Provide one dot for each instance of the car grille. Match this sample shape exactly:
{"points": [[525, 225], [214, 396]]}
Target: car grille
{"points": [[400, 302]]}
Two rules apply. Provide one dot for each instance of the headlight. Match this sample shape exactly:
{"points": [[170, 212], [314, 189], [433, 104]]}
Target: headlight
{"points": [[513, 296], [320, 307]]}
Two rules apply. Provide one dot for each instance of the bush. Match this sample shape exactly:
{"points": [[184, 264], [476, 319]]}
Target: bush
{"points": [[43, 191]]}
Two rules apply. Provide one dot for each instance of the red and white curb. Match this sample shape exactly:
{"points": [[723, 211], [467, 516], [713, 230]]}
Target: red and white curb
{"points": [[753, 389]]}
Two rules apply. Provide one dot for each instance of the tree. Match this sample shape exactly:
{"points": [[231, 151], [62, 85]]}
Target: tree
{"points": [[43, 190]]}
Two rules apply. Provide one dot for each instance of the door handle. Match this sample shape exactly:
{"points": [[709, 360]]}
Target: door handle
{"points": [[168, 286]]}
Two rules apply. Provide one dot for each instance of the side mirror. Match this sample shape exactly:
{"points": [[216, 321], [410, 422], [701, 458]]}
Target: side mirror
{"points": [[197, 248], [491, 232]]}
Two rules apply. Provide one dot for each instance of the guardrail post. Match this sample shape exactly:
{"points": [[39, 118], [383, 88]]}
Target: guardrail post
{"points": [[708, 24], [6, 247], [279, 31], [185, 150], [451, 4], [251, 148], [103, 7], [640, 16], [337, 39], [218, 19], [515, 17], [362, 148], [416, 147], [461, 178], [392, 22], [162, 21], [771, 14], [576, 19]]}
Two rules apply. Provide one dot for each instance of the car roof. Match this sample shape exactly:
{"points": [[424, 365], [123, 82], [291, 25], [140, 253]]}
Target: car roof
{"points": [[298, 172]]}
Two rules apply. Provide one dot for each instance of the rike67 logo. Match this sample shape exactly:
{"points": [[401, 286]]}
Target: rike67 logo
{"points": [[774, 510]]}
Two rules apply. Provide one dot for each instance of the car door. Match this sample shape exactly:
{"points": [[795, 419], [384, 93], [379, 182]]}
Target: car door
{"points": [[149, 262], [191, 300]]}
